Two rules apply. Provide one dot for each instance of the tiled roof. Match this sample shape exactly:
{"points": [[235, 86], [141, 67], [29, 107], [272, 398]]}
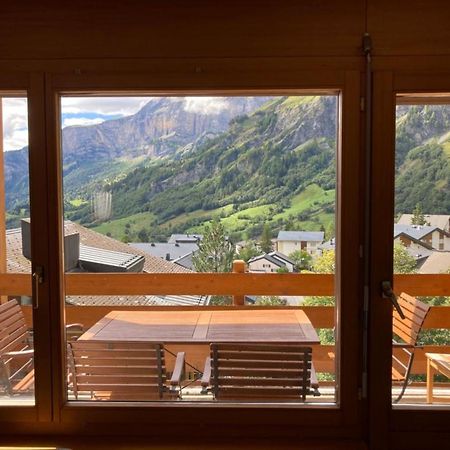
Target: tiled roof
{"points": [[441, 221], [185, 238], [437, 262], [308, 236], [19, 264], [282, 257], [138, 300], [415, 231], [162, 249], [268, 257]]}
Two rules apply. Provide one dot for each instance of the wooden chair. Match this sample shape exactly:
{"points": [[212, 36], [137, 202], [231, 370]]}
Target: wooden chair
{"points": [[406, 332], [122, 370], [16, 350], [276, 372]]}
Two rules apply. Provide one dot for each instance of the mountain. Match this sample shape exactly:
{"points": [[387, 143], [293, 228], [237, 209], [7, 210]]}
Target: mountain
{"points": [[423, 159], [177, 163], [93, 155], [264, 160]]}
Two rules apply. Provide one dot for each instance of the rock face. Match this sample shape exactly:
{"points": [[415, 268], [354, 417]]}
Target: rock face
{"points": [[161, 128], [158, 129]]}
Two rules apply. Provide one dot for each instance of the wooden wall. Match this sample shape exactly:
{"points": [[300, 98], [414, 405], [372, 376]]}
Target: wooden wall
{"points": [[85, 29]]}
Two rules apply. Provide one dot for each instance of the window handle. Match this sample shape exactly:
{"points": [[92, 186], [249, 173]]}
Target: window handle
{"points": [[38, 278], [387, 292]]}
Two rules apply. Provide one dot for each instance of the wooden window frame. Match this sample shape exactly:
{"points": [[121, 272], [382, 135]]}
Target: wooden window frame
{"points": [[284, 76], [401, 426]]}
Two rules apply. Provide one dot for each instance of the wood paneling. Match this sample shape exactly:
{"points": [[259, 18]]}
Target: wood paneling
{"points": [[409, 27], [138, 28]]}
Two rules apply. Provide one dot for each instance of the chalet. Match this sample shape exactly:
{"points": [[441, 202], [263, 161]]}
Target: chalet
{"points": [[436, 262], [270, 262], [434, 237], [290, 241], [169, 251], [441, 221]]}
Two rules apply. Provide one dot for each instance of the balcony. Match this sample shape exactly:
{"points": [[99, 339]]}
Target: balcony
{"points": [[321, 317]]}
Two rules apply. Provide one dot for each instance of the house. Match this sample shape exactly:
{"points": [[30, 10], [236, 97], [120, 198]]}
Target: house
{"points": [[441, 221], [185, 238], [432, 236], [169, 251], [290, 241], [436, 262], [271, 262], [85, 250]]}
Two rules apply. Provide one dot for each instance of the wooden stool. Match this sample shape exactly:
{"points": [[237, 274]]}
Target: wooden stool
{"points": [[436, 363]]}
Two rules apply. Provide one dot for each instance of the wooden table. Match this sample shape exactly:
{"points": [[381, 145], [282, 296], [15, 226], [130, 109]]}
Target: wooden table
{"points": [[204, 327], [436, 363]]}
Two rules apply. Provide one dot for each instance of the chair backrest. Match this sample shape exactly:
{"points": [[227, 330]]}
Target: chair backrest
{"points": [[259, 371], [14, 334], [406, 331], [415, 311], [117, 370], [14, 337]]}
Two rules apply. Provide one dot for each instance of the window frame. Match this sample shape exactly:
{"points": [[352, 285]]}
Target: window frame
{"points": [[344, 420], [401, 425]]}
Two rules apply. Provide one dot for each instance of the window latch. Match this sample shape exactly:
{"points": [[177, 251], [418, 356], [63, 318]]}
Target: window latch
{"points": [[38, 278], [388, 293]]}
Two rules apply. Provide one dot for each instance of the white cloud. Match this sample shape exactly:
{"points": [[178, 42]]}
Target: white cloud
{"points": [[108, 106], [205, 105], [81, 121], [15, 123]]}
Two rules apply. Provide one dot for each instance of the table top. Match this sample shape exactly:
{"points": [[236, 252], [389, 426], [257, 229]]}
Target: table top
{"points": [[283, 325]]}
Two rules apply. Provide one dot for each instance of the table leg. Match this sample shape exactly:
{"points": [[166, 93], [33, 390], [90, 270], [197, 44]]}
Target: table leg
{"points": [[430, 381]]}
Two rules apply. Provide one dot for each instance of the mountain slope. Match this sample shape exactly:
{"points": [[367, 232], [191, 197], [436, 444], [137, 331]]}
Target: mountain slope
{"points": [[263, 159]]}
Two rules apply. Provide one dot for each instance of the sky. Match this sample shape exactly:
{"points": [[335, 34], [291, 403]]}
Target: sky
{"points": [[88, 111]]}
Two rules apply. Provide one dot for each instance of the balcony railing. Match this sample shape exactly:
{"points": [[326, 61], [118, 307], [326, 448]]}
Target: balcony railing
{"points": [[238, 285]]}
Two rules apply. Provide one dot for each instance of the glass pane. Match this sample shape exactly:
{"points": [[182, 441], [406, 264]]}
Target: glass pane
{"points": [[202, 184], [16, 322], [422, 246]]}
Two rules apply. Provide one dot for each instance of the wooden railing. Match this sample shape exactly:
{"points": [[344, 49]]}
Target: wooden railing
{"points": [[238, 285]]}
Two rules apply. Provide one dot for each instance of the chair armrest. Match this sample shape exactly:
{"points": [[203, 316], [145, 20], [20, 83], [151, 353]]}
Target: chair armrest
{"points": [[402, 345], [314, 382], [78, 326], [206, 378], [20, 353], [178, 369]]}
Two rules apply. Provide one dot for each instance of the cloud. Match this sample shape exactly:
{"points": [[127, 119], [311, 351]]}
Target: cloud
{"points": [[107, 106], [81, 121], [205, 105], [15, 123]]}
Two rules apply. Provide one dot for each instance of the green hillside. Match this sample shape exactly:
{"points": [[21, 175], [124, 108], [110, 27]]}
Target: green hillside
{"points": [[276, 166]]}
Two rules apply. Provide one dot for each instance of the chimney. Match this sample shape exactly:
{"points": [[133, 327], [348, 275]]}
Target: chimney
{"points": [[167, 256], [71, 246]]}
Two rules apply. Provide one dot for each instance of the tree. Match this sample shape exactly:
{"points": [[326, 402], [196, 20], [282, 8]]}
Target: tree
{"points": [[403, 261], [143, 235], [325, 263], [215, 251], [271, 300], [418, 218], [248, 251], [266, 239], [302, 259]]}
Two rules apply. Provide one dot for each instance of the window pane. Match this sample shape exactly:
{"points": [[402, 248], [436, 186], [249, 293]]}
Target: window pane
{"points": [[16, 323], [422, 246], [208, 185]]}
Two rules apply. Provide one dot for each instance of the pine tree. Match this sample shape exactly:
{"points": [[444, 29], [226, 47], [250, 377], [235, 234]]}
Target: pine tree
{"points": [[418, 218], [215, 251], [266, 239]]}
